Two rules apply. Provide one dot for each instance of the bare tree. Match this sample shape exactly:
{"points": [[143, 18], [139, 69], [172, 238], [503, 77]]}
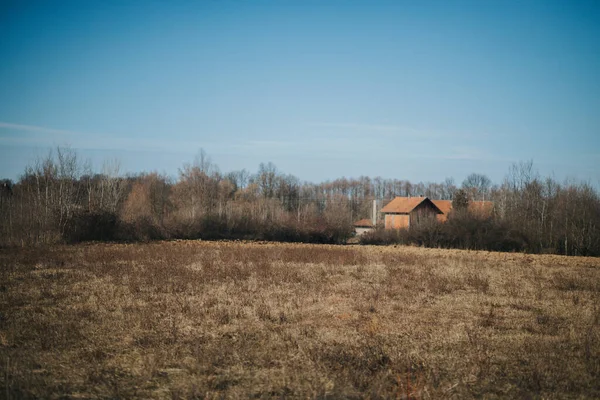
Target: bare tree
{"points": [[460, 203], [477, 185], [111, 185], [448, 189], [239, 178], [203, 162], [266, 179]]}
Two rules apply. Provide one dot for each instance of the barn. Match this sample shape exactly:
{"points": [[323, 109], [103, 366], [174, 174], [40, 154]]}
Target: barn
{"points": [[402, 212]]}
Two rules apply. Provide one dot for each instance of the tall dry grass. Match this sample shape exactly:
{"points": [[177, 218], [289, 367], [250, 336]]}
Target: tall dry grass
{"points": [[195, 319]]}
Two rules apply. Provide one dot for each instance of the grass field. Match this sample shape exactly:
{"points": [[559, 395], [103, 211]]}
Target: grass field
{"points": [[191, 319]]}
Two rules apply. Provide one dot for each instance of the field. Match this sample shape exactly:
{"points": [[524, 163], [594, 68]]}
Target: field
{"points": [[187, 319]]}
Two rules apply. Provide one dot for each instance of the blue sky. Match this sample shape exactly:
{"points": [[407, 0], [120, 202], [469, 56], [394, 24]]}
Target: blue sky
{"points": [[323, 89]]}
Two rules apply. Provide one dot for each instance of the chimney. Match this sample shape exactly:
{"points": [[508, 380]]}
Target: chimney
{"points": [[374, 220]]}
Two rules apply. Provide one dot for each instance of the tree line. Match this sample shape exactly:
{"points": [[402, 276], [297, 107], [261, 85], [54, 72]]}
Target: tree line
{"points": [[60, 198]]}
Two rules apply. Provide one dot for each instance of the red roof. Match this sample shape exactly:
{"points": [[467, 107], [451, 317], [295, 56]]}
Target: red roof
{"points": [[481, 207], [445, 206], [404, 205], [478, 207], [364, 223]]}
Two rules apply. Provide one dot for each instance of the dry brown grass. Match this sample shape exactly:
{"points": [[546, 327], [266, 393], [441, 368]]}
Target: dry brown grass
{"points": [[196, 319]]}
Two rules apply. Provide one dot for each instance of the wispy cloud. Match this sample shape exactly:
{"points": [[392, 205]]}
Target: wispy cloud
{"points": [[33, 128], [37, 136], [265, 144], [362, 127], [465, 153], [424, 144], [394, 130], [45, 136]]}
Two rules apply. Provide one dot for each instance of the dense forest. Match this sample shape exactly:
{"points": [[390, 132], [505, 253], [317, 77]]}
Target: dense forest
{"points": [[59, 198]]}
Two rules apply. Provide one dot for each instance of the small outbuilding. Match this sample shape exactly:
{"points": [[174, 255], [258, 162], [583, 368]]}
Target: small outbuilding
{"points": [[363, 226]]}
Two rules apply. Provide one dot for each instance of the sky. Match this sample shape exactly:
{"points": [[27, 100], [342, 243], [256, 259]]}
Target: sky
{"points": [[416, 90]]}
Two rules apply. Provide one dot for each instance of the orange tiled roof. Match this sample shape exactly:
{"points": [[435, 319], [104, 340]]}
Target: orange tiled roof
{"points": [[367, 223], [403, 205], [445, 206], [481, 207]]}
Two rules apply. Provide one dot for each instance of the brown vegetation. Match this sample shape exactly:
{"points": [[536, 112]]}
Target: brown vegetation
{"points": [[187, 319], [61, 200]]}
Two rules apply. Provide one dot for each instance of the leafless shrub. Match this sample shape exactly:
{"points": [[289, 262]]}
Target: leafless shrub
{"points": [[568, 281]]}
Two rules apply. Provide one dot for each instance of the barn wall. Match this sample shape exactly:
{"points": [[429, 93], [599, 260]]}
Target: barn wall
{"points": [[397, 221], [423, 211], [388, 221]]}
